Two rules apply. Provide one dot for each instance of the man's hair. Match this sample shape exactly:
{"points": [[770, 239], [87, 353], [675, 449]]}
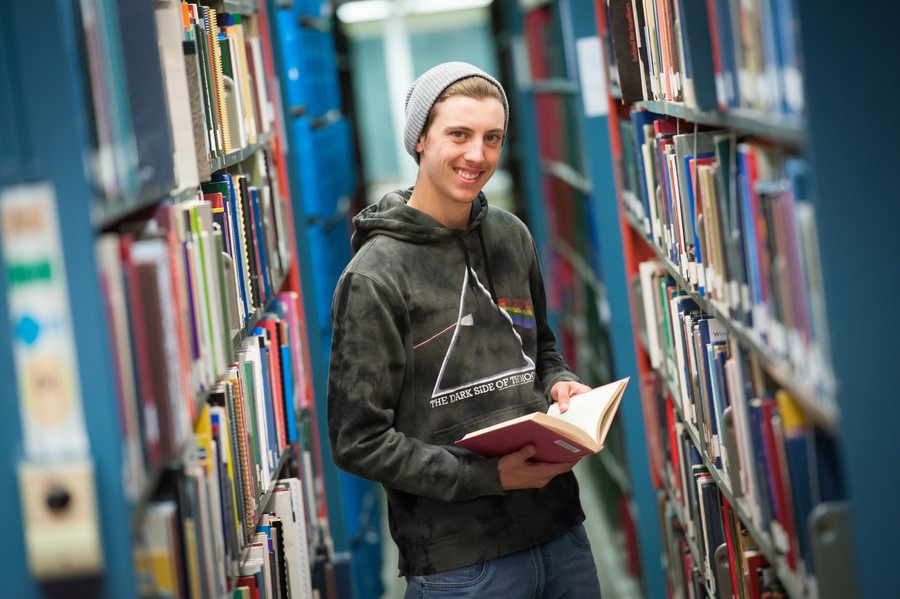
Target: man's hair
{"points": [[475, 87]]}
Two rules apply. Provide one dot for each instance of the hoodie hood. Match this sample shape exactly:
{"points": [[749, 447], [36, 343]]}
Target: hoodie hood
{"points": [[391, 216]]}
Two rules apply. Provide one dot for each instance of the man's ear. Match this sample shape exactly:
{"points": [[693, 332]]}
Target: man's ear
{"points": [[420, 145]]}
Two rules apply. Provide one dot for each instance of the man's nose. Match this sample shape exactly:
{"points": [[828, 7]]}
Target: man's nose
{"points": [[475, 150]]}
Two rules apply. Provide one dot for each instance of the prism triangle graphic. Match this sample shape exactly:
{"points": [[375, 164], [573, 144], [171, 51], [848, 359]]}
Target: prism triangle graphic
{"points": [[483, 345]]}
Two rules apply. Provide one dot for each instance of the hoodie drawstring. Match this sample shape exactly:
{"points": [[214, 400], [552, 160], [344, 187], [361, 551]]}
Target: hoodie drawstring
{"points": [[487, 264], [487, 267]]}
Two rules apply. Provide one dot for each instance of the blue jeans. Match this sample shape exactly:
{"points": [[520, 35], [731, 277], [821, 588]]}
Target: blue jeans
{"points": [[562, 568]]}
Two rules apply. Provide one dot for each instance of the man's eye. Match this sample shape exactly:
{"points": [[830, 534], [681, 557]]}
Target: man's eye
{"points": [[456, 134]]}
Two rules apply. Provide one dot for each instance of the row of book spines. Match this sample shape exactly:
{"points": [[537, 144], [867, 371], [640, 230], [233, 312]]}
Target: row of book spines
{"points": [[182, 552], [783, 470], [168, 349], [241, 434], [740, 234], [721, 391], [255, 236], [709, 54], [710, 553], [227, 77], [179, 299]]}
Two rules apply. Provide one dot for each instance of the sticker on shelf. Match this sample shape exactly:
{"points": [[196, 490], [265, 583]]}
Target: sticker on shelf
{"points": [[43, 343]]}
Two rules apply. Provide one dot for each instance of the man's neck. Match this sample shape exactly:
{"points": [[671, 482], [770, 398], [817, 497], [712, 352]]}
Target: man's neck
{"points": [[453, 215]]}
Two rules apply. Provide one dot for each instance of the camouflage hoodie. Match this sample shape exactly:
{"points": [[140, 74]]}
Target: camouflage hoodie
{"points": [[438, 332]]}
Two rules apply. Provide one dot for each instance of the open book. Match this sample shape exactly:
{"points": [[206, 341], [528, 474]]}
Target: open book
{"points": [[556, 436]]}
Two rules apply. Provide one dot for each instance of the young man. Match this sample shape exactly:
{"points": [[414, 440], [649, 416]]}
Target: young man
{"points": [[440, 329]]}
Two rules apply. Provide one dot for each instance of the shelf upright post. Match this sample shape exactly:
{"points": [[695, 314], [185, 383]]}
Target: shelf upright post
{"points": [[850, 64], [315, 334], [40, 58], [581, 17]]}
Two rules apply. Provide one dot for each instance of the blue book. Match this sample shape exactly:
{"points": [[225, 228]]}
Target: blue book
{"points": [[714, 527], [764, 497], [668, 220], [639, 118], [712, 335], [772, 84], [240, 249], [699, 71], [719, 356], [727, 81], [243, 197], [289, 395], [261, 246], [785, 21], [271, 428]]}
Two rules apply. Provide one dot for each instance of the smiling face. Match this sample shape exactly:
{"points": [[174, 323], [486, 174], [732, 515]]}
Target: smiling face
{"points": [[458, 152]]}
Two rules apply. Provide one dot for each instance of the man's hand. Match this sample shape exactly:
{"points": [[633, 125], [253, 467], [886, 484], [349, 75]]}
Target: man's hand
{"points": [[563, 390], [517, 471]]}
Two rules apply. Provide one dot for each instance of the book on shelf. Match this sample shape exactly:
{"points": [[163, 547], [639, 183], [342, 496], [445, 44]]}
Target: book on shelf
{"points": [[697, 52], [729, 216], [288, 504], [158, 554], [713, 532], [262, 549], [628, 45], [709, 54], [160, 359], [251, 579], [168, 29], [556, 436], [111, 275]]}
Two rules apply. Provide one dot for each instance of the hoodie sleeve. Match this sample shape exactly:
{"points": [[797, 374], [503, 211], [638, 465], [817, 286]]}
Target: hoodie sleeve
{"points": [[365, 387]]}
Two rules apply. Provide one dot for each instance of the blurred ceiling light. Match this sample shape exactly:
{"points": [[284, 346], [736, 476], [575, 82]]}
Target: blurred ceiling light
{"points": [[366, 10], [375, 10]]}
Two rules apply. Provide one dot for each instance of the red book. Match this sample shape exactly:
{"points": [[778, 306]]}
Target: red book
{"points": [[271, 326], [556, 437], [731, 542], [777, 467], [755, 563], [149, 412], [250, 583]]}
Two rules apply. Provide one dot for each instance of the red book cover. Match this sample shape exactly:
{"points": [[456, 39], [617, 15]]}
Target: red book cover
{"points": [[556, 437], [650, 393], [271, 326], [250, 583], [755, 563], [778, 477], [149, 412], [731, 542]]}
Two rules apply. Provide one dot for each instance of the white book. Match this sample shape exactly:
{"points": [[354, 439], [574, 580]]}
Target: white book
{"points": [[287, 504]]}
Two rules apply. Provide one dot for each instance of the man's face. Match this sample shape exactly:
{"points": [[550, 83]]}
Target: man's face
{"points": [[461, 149]]}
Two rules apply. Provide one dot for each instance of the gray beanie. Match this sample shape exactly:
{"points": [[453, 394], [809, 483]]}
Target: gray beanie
{"points": [[426, 89]]}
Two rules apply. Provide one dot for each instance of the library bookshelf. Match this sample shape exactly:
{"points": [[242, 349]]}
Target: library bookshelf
{"points": [[763, 410], [810, 120], [169, 310]]}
